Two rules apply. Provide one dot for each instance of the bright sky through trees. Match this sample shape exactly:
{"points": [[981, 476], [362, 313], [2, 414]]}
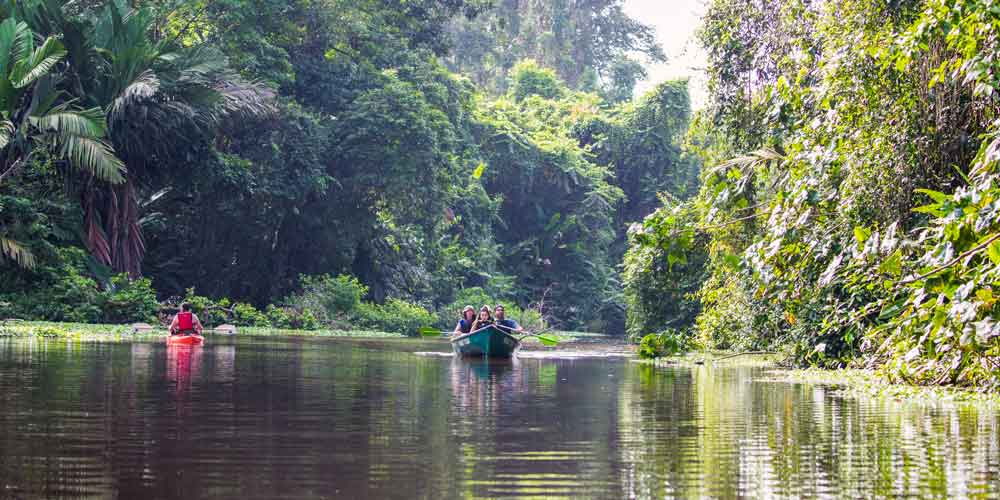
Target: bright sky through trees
{"points": [[676, 22]]}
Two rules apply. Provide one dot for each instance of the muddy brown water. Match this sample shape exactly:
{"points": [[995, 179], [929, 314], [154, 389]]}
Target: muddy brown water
{"points": [[365, 418]]}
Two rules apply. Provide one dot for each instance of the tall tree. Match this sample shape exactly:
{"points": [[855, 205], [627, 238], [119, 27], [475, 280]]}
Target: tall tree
{"points": [[36, 119], [161, 101], [590, 43]]}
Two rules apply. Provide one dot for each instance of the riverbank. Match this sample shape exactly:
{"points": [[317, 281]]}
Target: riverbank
{"points": [[870, 383], [109, 332], [848, 381]]}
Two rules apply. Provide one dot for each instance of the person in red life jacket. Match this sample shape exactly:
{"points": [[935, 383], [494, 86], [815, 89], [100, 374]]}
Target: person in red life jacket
{"points": [[185, 322]]}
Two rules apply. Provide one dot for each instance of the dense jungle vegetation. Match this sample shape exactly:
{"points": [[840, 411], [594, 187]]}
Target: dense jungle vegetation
{"points": [[297, 162], [849, 208]]}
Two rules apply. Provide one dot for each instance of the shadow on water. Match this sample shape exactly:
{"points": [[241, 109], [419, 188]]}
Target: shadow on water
{"points": [[354, 418]]}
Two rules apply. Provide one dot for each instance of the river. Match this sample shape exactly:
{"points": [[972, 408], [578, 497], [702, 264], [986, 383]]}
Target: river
{"points": [[383, 418]]}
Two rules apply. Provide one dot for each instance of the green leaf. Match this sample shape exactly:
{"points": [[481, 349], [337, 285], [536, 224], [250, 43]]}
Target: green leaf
{"points": [[478, 172], [26, 71], [993, 252], [547, 340], [934, 209], [6, 132], [12, 34], [893, 264], [937, 196], [15, 251], [92, 155], [85, 123], [731, 261], [862, 233], [428, 331]]}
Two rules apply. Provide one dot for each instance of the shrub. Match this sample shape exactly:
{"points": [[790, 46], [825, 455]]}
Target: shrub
{"points": [[56, 290], [669, 342], [394, 316], [327, 297], [248, 315], [210, 313], [292, 318], [127, 300]]}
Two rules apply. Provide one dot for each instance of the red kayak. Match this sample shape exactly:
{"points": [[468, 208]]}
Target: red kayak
{"points": [[192, 339]]}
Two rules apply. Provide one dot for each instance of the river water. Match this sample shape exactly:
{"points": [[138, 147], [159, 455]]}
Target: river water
{"points": [[365, 418]]}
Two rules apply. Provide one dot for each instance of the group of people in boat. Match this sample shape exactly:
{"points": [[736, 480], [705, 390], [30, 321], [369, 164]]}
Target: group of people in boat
{"points": [[471, 321]]}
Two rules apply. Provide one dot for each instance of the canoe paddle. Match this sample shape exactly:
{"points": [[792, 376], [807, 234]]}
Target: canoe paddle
{"points": [[544, 339], [547, 340]]}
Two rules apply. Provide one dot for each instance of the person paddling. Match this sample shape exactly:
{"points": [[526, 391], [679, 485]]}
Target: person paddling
{"points": [[485, 318], [465, 324], [507, 325], [185, 322]]}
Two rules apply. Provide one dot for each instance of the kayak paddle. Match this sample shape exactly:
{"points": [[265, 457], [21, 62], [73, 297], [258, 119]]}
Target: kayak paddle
{"points": [[547, 340]]}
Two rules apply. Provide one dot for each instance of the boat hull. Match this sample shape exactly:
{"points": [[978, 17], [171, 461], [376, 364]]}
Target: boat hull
{"points": [[193, 339], [486, 342]]}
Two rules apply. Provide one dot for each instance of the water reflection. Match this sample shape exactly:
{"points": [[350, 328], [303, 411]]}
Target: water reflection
{"points": [[478, 385], [369, 419]]}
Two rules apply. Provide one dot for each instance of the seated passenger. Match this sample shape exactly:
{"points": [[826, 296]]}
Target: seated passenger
{"points": [[185, 322], [465, 324], [507, 325], [485, 318]]}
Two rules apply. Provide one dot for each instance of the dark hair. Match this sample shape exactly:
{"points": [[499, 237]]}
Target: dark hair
{"points": [[186, 307]]}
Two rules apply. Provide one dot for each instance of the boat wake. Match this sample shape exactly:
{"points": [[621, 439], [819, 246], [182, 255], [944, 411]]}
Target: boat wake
{"points": [[435, 354], [574, 354]]}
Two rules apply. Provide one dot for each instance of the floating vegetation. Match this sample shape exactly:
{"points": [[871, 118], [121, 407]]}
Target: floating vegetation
{"points": [[111, 333], [867, 383]]}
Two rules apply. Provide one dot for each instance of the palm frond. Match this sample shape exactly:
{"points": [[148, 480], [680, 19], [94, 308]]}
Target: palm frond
{"points": [[247, 99], [92, 155], [26, 71], [145, 86], [205, 67], [11, 32], [6, 133], [750, 160], [14, 250], [84, 123], [24, 43]]}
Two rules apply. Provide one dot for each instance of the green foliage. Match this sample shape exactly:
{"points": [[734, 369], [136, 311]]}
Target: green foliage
{"points": [[210, 312], [528, 79], [33, 114], [394, 315], [128, 301], [663, 270], [564, 204], [364, 155], [830, 126], [248, 315], [58, 289], [291, 318], [62, 288], [329, 298], [669, 342], [588, 44]]}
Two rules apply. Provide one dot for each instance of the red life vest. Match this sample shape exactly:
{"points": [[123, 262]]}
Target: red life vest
{"points": [[185, 321]]}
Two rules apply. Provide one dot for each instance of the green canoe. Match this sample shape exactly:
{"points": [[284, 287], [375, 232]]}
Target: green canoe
{"points": [[489, 341]]}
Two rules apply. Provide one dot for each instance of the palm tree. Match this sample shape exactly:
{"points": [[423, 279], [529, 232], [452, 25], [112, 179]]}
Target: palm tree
{"points": [[35, 118], [158, 97]]}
